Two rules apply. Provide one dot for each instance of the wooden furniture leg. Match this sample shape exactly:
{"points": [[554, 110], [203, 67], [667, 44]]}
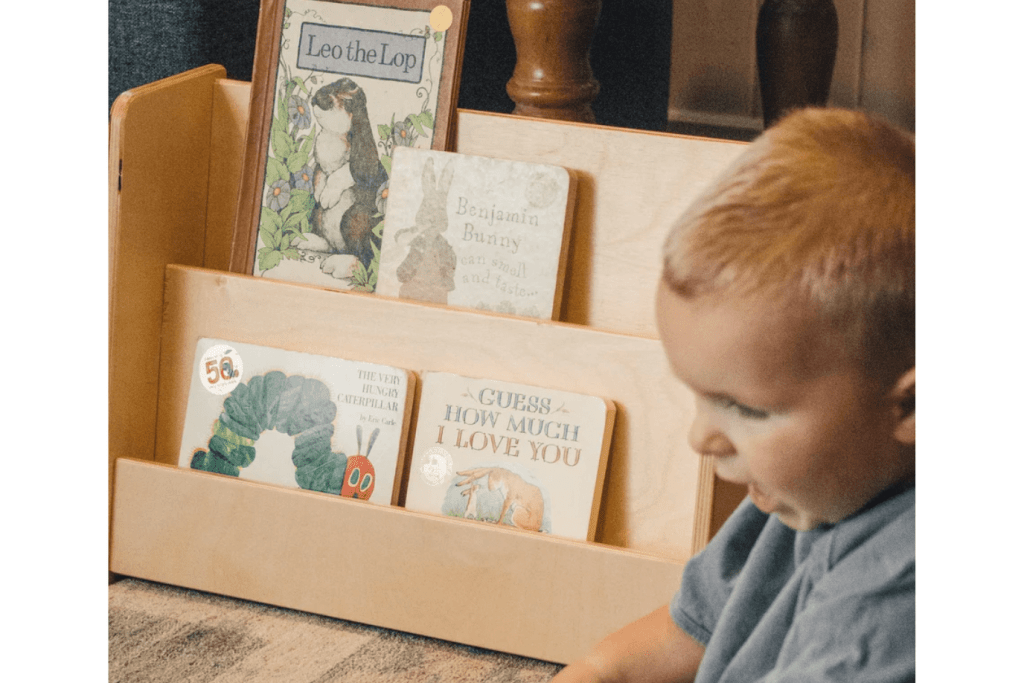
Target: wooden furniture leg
{"points": [[796, 52], [552, 78]]}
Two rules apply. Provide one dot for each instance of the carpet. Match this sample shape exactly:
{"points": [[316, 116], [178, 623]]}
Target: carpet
{"points": [[163, 633]]}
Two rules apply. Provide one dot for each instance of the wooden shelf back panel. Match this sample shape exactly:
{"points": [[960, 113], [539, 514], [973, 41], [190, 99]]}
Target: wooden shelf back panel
{"points": [[466, 582], [632, 185], [657, 491]]}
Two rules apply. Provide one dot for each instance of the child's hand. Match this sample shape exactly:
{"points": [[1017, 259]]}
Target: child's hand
{"points": [[651, 649]]}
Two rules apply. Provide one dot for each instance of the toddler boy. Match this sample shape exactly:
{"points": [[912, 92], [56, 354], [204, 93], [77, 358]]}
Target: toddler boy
{"points": [[787, 305]]}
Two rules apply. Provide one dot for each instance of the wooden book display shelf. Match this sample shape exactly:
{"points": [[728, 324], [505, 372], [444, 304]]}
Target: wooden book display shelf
{"points": [[175, 160]]}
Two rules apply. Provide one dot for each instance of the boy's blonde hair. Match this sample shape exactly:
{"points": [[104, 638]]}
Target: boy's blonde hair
{"points": [[820, 207]]}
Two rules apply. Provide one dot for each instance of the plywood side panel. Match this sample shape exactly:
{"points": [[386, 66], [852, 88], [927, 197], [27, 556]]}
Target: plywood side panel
{"points": [[461, 581], [159, 161], [633, 185], [654, 483], [227, 140]]}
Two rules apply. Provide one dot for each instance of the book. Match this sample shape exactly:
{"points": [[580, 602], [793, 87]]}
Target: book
{"points": [[512, 454], [477, 232], [298, 420], [337, 87]]}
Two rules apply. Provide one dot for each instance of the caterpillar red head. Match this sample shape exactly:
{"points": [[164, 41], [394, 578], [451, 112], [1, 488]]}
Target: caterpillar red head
{"points": [[359, 473]]}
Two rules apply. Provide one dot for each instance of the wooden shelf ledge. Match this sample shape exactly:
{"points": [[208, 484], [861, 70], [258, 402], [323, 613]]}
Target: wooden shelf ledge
{"points": [[378, 565]]}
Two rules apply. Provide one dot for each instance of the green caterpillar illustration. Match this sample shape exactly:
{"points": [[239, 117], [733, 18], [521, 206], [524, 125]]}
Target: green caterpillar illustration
{"points": [[297, 406]]}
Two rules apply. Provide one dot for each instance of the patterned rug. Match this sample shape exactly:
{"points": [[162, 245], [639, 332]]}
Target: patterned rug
{"points": [[161, 633]]}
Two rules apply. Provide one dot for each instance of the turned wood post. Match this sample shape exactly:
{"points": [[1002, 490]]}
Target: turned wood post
{"points": [[552, 78], [796, 51]]}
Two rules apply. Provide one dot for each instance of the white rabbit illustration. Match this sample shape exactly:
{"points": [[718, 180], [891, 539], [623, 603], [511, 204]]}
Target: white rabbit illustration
{"points": [[428, 271]]}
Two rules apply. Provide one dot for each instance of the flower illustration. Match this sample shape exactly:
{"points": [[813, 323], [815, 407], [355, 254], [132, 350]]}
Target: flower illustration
{"points": [[403, 133], [303, 179], [382, 197], [278, 195], [299, 114]]}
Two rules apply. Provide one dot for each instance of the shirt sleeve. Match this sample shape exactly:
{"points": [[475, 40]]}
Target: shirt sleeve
{"points": [[710, 576]]}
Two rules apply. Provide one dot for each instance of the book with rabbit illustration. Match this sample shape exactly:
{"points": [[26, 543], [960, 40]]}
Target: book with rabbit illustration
{"points": [[298, 420], [477, 232], [511, 454], [338, 86]]}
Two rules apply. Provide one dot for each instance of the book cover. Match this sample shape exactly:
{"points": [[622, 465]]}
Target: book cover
{"points": [[298, 420], [512, 454], [352, 81], [477, 232]]}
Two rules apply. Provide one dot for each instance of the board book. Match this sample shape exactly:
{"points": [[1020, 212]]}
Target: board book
{"points": [[477, 232], [510, 454], [339, 85], [297, 420]]}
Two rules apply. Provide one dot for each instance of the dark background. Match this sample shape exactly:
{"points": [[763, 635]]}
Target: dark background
{"points": [[630, 55]]}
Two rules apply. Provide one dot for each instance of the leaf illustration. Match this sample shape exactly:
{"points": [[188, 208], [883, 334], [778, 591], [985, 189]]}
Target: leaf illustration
{"points": [[296, 160], [282, 110], [294, 221], [270, 219], [359, 274], [302, 202], [271, 238], [385, 161], [270, 260], [276, 171], [307, 145], [282, 144], [287, 211], [278, 124]]}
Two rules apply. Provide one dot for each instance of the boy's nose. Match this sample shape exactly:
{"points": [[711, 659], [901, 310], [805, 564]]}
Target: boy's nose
{"points": [[706, 439]]}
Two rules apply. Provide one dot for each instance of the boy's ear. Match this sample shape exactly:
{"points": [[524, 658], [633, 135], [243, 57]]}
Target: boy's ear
{"points": [[903, 405]]}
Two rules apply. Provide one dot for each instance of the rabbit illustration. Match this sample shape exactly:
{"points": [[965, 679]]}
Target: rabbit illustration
{"points": [[470, 494], [523, 499], [428, 271], [346, 176]]}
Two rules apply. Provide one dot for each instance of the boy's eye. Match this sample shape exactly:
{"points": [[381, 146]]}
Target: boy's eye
{"points": [[751, 413], [742, 410]]}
